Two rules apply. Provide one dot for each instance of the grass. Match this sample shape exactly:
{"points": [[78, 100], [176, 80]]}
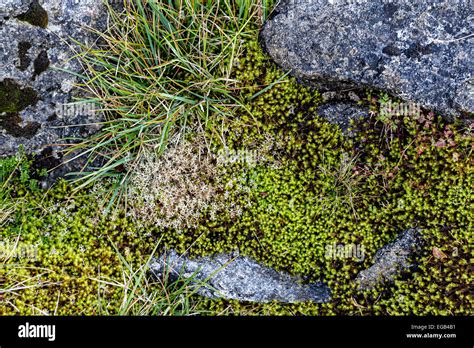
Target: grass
{"points": [[39, 277], [142, 294], [160, 70], [343, 182]]}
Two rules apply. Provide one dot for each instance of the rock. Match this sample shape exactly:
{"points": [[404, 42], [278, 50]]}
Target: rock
{"points": [[341, 113], [415, 50], [240, 278], [36, 47], [391, 260]]}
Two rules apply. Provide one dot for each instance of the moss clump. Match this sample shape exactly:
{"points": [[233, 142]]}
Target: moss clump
{"points": [[326, 190], [25, 61], [41, 63], [36, 15], [14, 98], [69, 254]]}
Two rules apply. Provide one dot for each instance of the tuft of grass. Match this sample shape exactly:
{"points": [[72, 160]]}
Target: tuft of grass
{"points": [[161, 68], [343, 182]]}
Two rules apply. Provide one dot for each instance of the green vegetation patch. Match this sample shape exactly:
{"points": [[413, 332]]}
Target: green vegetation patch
{"points": [[14, 98], [61, 256], [321, 190], [294, 187]]}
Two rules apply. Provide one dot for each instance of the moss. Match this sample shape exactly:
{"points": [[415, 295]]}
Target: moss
{"points": [[64, 250], [326, 189], [41, 63], [36, 15], [14, 98], [11, 123], [25, 61], [316, 188]]}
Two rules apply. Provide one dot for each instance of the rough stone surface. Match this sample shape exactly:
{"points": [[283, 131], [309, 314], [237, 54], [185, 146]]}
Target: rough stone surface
{"points": [[420, 51], [341, 113], [35, 48], [390, 260], [239, 278]]}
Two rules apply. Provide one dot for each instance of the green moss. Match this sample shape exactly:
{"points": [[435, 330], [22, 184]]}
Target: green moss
{"points": [[317, 188], [36, 15], [14, 98], [65, 254]]}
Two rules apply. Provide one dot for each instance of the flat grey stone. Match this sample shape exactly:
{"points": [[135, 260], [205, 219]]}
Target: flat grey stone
{"points": [[419, 51], [391, 260], [239, 278]]}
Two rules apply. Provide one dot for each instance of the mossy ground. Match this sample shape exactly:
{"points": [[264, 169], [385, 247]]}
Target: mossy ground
{"points": [[61, 256], [317, 188]]}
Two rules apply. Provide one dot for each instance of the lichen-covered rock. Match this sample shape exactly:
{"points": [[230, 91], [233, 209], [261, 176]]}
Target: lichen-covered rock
{"points": [[36, 47], [390, 260], [341, 113], [239, 278], [416, 50]]}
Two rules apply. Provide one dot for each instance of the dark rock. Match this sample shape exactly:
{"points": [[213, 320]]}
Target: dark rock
{"points": [[415, 50], [391, 260], [239, 278]]}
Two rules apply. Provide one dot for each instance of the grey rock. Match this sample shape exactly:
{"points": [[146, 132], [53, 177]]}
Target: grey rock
{"points": [[236, 277], [13, 8], [34, 56], [341, 113], [391, 260], [419, 51]]}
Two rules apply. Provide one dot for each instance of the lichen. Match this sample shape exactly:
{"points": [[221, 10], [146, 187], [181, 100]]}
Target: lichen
{"points": [[11, 123], [25, 61], [41, 63], [35, 15], [14, 98]]}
